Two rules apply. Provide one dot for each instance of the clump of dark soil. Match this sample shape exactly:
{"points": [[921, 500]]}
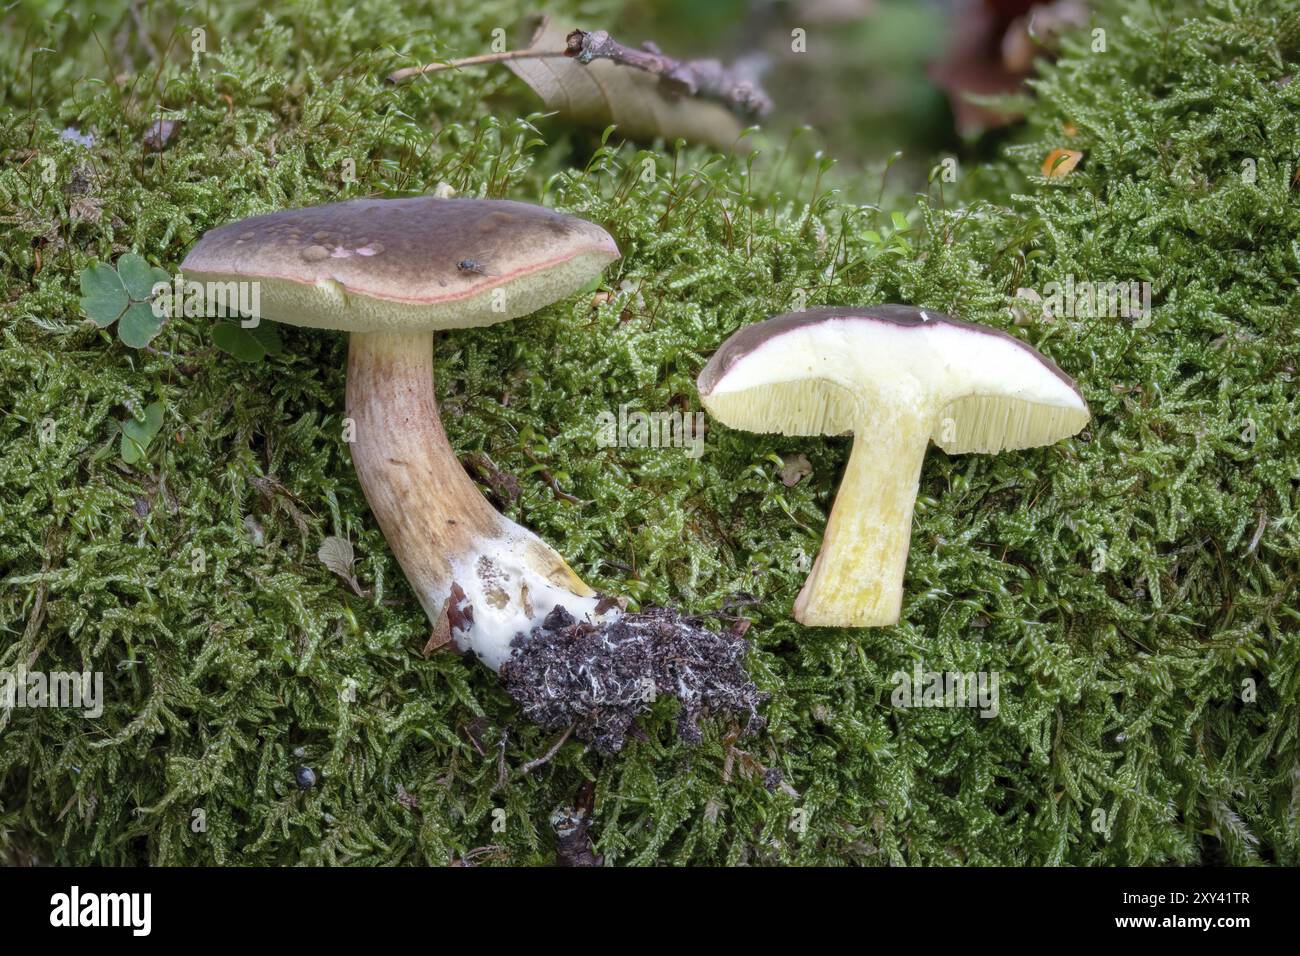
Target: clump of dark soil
{"points": [[598, 679]]}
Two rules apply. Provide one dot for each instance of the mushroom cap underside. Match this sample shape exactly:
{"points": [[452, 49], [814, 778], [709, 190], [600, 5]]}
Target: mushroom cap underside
{"points": [[839, 370]]}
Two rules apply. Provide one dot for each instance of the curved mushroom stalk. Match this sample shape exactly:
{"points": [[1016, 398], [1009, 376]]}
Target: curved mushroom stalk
{"points": [[857, 579], [477, 573], [896, 377]]}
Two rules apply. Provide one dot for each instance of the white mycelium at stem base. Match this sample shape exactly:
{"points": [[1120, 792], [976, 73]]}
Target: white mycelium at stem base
{"points": [[896, 378], [392, 272], [440, 528]]}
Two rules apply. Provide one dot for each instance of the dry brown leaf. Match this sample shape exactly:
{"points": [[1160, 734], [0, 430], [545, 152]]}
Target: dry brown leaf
{"points": [[440, 636], [602, 92], [1061, 162], [337, 555]]}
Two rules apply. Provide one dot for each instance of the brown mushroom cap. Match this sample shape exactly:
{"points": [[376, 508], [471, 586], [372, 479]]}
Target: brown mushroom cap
{"points": [[416, 264]]}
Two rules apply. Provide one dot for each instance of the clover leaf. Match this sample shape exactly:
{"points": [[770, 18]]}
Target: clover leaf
{"points": [[109, 294], [103, 297], [136, 435], [247, 345]]}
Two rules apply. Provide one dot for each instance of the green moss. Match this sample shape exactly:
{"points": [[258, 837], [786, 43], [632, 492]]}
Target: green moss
{"points": [[1120, 687]]}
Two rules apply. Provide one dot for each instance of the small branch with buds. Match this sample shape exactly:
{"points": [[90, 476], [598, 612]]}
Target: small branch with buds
{"points": [[735, 87]]}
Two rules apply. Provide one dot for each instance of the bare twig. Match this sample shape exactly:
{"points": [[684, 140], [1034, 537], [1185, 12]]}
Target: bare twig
{"points": [[483, 59], [143, 32], [553, 483], [503, 774], [546, 757], [471, 857], [735, 87]]}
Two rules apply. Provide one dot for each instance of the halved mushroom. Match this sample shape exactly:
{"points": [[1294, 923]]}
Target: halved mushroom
{"points": [[392, 272], [897, 378]]}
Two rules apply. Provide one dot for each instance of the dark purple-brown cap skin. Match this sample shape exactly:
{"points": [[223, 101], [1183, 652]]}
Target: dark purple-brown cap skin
{"points": [[417, 264], [418, 250], [747, 339]]}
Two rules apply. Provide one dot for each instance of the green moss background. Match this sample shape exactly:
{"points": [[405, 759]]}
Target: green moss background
{"points": [[1121, 678]]}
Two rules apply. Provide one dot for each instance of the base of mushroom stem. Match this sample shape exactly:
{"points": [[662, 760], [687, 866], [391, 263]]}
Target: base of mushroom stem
{"points": [[597, 679], [505, 586], [873, 602], [857, 579]]}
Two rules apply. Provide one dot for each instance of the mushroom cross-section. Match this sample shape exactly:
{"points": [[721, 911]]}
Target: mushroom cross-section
{"points": [[391, 272], [897, 378]]}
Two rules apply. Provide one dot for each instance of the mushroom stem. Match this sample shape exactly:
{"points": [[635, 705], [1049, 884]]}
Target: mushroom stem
{"points": [[857, 579], [474, 571]]}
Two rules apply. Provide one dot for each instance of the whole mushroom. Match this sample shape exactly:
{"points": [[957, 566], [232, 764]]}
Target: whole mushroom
{"points": [[895, 377], [392, 273]]}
